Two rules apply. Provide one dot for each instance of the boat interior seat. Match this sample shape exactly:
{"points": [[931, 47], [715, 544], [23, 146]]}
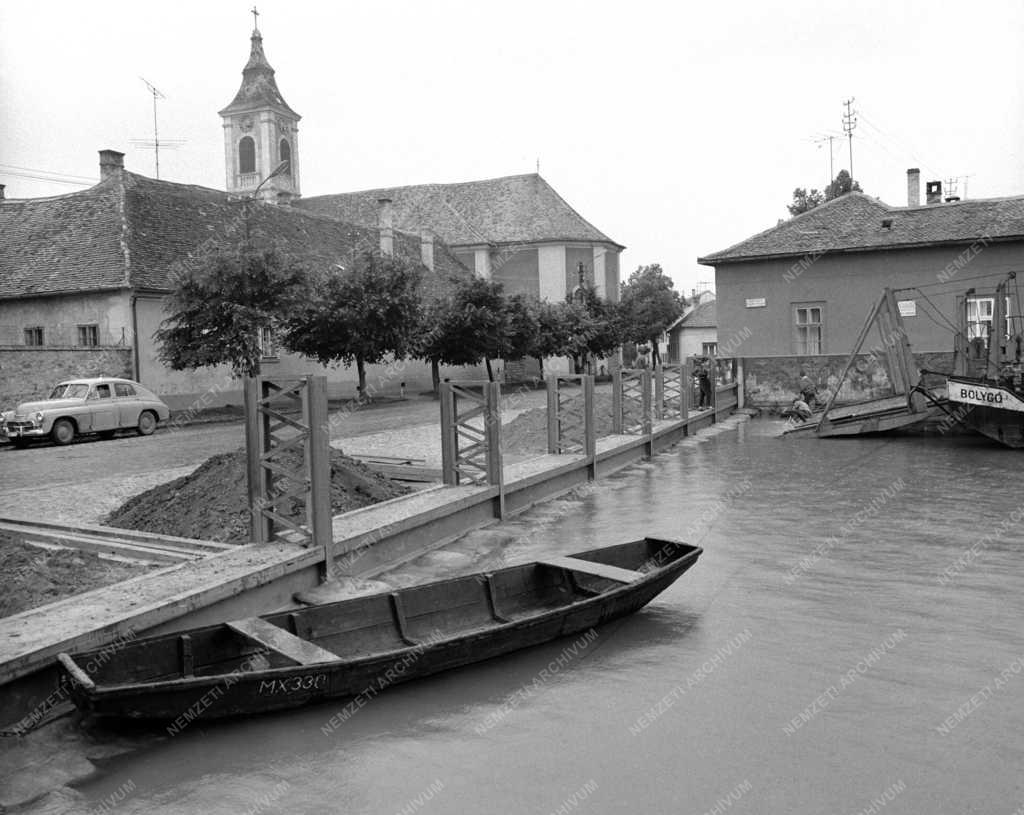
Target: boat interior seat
{"points": [[283, 642], [589, 567]]}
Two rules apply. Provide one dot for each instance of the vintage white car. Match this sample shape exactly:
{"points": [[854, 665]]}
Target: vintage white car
{"points": [[101, 405]]}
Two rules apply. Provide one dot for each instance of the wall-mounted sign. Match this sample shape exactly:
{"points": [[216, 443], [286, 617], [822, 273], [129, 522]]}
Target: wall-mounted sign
{"points": [[756, 302], [908, 308]]}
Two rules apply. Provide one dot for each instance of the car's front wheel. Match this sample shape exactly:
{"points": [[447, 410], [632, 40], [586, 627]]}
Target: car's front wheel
{"points": [[147, 423], [63, 431]]}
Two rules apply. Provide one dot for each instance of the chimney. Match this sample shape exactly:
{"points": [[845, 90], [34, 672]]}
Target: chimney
{"points": [[387, 227], [110, 162], [933, 192], [913, 187], [427, 249]]}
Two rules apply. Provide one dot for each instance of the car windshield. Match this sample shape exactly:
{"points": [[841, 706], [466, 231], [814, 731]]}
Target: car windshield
{"points": [[69, 390]]}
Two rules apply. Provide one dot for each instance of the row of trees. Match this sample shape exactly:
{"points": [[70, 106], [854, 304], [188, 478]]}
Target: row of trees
{"points": [[374, 310], [803, 201]]}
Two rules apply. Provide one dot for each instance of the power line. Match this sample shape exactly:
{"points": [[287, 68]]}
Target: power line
{"points": [[903, 145], [37, 171]]}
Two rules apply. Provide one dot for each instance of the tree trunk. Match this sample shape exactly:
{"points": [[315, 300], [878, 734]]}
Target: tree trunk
{"points": [[361, 370], [655, 353], [490, 373], [435, 374], [540, 362]]}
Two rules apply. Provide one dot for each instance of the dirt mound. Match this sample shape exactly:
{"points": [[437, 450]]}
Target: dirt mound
{"points": [[31, 576], [528, 432], [212, 502]]}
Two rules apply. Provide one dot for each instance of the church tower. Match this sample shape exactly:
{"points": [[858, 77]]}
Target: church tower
{"points": [[261, 131]]}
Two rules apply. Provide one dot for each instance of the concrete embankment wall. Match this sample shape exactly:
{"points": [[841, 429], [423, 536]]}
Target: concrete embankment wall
{"points": [[771, 382], [260, 579]]}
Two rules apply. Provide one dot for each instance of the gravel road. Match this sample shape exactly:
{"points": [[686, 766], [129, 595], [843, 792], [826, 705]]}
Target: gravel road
{"points": [[85, 480]]}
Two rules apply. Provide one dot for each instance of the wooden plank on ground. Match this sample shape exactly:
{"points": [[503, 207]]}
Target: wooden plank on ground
{"points": [[277, 639], [591, 568]]}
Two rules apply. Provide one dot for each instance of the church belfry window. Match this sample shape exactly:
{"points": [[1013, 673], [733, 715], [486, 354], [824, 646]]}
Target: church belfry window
{"points": [[286, 155], [246, 155]]}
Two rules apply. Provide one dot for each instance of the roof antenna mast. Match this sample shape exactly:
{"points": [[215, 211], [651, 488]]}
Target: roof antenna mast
{"points": [[156, 133], [155, 144]]}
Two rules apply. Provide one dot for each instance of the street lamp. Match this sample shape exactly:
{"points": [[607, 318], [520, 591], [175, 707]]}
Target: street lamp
{"points": [[280, 168]]}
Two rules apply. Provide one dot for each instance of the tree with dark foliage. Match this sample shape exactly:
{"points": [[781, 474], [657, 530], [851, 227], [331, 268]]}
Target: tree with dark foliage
{"points": [[220, 302], [648, 305], [360, 315]]}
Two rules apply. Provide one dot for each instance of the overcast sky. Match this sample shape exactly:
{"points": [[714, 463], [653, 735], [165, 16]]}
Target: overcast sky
{"points": [[677, 130]]}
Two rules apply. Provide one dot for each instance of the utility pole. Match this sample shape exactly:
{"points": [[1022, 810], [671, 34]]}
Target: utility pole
{"points": [[849, 124]]}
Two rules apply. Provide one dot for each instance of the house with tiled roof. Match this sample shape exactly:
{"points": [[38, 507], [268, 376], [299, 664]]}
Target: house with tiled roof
{"points": [[516, 230], [83, 277], [695, 332], [802, 289]]}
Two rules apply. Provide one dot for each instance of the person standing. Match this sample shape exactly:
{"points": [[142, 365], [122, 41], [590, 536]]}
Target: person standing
{"points": [[808, 390], [704, 380]]}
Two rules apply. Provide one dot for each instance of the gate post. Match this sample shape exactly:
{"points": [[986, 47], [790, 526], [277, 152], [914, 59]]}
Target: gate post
{"points": [[645, 412], [617, 402], [713, 363], [589, 429], [257, 443], [552, 389], [449, 474], [687, 390], [318, 456], [659, 392], [492, 431]]}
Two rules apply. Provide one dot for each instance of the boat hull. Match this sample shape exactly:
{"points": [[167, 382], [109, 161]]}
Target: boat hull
{"points": [[251, 688], [992, 410]]}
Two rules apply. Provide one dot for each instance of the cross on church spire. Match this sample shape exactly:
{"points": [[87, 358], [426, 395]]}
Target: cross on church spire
{"points": [[255, 17]]}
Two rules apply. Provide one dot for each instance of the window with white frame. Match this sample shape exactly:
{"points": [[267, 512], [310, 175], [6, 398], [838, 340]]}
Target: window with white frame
{"points": [[34, 335], [809, 328], [980, 314], [268, 349]]}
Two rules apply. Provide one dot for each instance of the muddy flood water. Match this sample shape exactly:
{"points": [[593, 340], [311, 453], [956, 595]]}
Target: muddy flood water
{"points": [[851, 641]]}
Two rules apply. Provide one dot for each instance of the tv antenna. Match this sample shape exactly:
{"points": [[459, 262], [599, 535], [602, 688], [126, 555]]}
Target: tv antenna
{"points": [[830, 138], [154, 144]]}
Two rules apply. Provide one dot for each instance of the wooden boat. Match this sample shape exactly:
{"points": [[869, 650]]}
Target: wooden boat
{"points": [[356, 647]]}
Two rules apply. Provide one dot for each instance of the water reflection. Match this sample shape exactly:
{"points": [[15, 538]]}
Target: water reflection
{"points": [[877, 572]]}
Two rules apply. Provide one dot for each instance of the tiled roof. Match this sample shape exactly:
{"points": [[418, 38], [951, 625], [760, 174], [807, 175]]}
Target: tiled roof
{"points": [[854, 222], [513, 209], [63, 244], [130, 230], [703, 316], [258, 88]]}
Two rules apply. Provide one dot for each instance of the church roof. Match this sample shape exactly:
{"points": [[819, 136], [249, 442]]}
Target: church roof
{"points": [[258, 88], [856, 222], [130, 231], [508, 210]]}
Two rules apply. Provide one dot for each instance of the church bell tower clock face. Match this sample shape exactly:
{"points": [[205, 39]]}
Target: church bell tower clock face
{"points": [[261, 149]]}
